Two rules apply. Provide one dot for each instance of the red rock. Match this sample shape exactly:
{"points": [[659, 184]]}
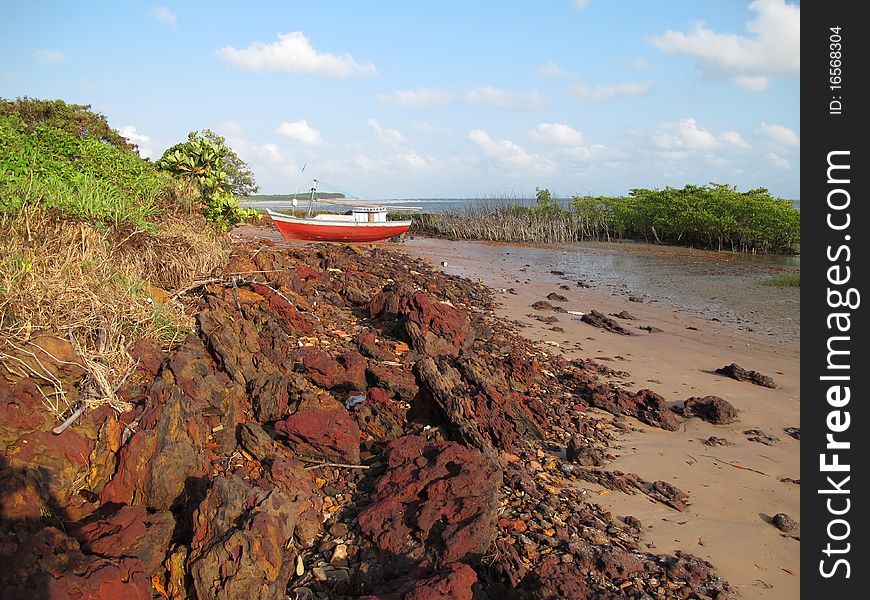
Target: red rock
{"points": [[454, 582], [380, 416], [436, 329], [345, 373], [49, 564], [394, 379], [128, 531], [366, 340], [436, 499], [240, 541], [328, 434], [148, 354], [710, 408], [281, 308], [269, 397]]}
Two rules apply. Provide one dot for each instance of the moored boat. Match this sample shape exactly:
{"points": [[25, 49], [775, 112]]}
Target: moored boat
{"points": [[362, 224]]}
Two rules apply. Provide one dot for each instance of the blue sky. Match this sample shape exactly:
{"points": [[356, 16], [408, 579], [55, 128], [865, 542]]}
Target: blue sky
{"points": [[437, 99]]}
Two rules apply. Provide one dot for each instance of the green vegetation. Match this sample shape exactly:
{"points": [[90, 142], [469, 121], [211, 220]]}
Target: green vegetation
{"points": [[91, 234], [201, 161], [715, 217], [239, 176], [785, 280]]}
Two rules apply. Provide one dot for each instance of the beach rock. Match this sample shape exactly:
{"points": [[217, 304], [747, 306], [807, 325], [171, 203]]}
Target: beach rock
{"points": [[650, 329], [602, 321], [435, 500], [367, 342], [735, 371], [581, 452], [346, 373], [756, 435], [712, 409], [241, 534], [542, 305], [624, 315], [645, 405], [555, 297], [401, 383], [269, 397], [454, 581], [717, 441], [380, 415], [127, 531], [794, 432], [479, 415], [635, 299], [50, 564], [783, 522], [435, 328], [327, 434]]}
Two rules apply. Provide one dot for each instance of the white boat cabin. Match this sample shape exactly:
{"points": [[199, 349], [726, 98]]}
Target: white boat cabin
{"points": [[358, 214]]}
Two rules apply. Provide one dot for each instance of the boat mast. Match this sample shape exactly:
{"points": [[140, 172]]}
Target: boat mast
{"points": [[311, 201]]}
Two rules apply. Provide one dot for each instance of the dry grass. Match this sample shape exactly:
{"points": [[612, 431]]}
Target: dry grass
{"points": [[95, 286]]}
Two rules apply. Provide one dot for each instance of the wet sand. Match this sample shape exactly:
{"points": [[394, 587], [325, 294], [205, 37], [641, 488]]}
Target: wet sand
{"points": [[727, 522]]}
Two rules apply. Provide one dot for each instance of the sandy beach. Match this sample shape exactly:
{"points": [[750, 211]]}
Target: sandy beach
{"points": [[734, 489]]}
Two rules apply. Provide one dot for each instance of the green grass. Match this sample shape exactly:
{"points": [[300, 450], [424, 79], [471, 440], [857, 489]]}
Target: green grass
{"points": [[785, 280]]}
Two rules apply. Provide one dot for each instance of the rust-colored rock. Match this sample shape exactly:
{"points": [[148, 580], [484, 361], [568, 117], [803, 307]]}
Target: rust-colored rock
{"points": [[436, 500], [735, 371], [346, 373], [435, 328], [239, 547], [327, 434], [710, 408]]}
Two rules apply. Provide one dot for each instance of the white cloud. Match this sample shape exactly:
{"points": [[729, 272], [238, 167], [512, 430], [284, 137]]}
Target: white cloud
{"points": [[164, 15], [140, 139], [230, 128], [418, 98], [295, 54], [596, 152], [608, 92], [496, 98], [685, 135], [415, 161], [581, 4], [778, 161], [734, 138], [772, 48], [49, 58], [780, 134], [753, 83], [300, 131], [558, 134], [391, 137], [552, 70], [509, 154]]}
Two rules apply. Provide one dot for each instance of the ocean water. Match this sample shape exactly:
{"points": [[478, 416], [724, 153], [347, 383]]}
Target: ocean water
{"points": [[428, 205]]}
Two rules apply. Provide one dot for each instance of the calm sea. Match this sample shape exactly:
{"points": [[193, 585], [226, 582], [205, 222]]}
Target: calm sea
{"points": [[429, 205]]}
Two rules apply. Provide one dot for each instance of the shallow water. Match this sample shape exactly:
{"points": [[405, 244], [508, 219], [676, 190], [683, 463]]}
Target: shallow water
{"points": [[717, 286]]}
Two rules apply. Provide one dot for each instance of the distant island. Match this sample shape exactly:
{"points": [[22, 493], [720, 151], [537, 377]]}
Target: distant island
{"points": [[299, 196]]}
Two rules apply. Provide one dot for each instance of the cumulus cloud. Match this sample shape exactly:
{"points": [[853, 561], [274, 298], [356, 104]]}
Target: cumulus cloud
{"points": [[418, 98], [558, 134], [391, 137], [300, 131], [778, 161], [293, 52], [780, 135], [611, 91], [771, 48], [552, 70], [734, 138], [509, 154], [496, 98], [164, 15], [685, 135], [140, 139], [49, 58]]}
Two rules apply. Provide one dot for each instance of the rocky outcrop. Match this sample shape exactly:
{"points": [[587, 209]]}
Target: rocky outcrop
{"points": [[435, 501], [602, 321], [735, 371], [323, 434], [436, 328], [710, 408]]}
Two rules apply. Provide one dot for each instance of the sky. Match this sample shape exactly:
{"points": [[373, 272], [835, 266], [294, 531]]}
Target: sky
{"points": [[440, 99]]}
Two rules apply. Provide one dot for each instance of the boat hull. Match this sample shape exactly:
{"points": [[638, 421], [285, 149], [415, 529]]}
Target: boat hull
{"points": [[292, 228]]}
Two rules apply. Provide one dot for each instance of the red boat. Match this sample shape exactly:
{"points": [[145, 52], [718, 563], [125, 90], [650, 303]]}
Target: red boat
{"points": [[362, 224]]}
